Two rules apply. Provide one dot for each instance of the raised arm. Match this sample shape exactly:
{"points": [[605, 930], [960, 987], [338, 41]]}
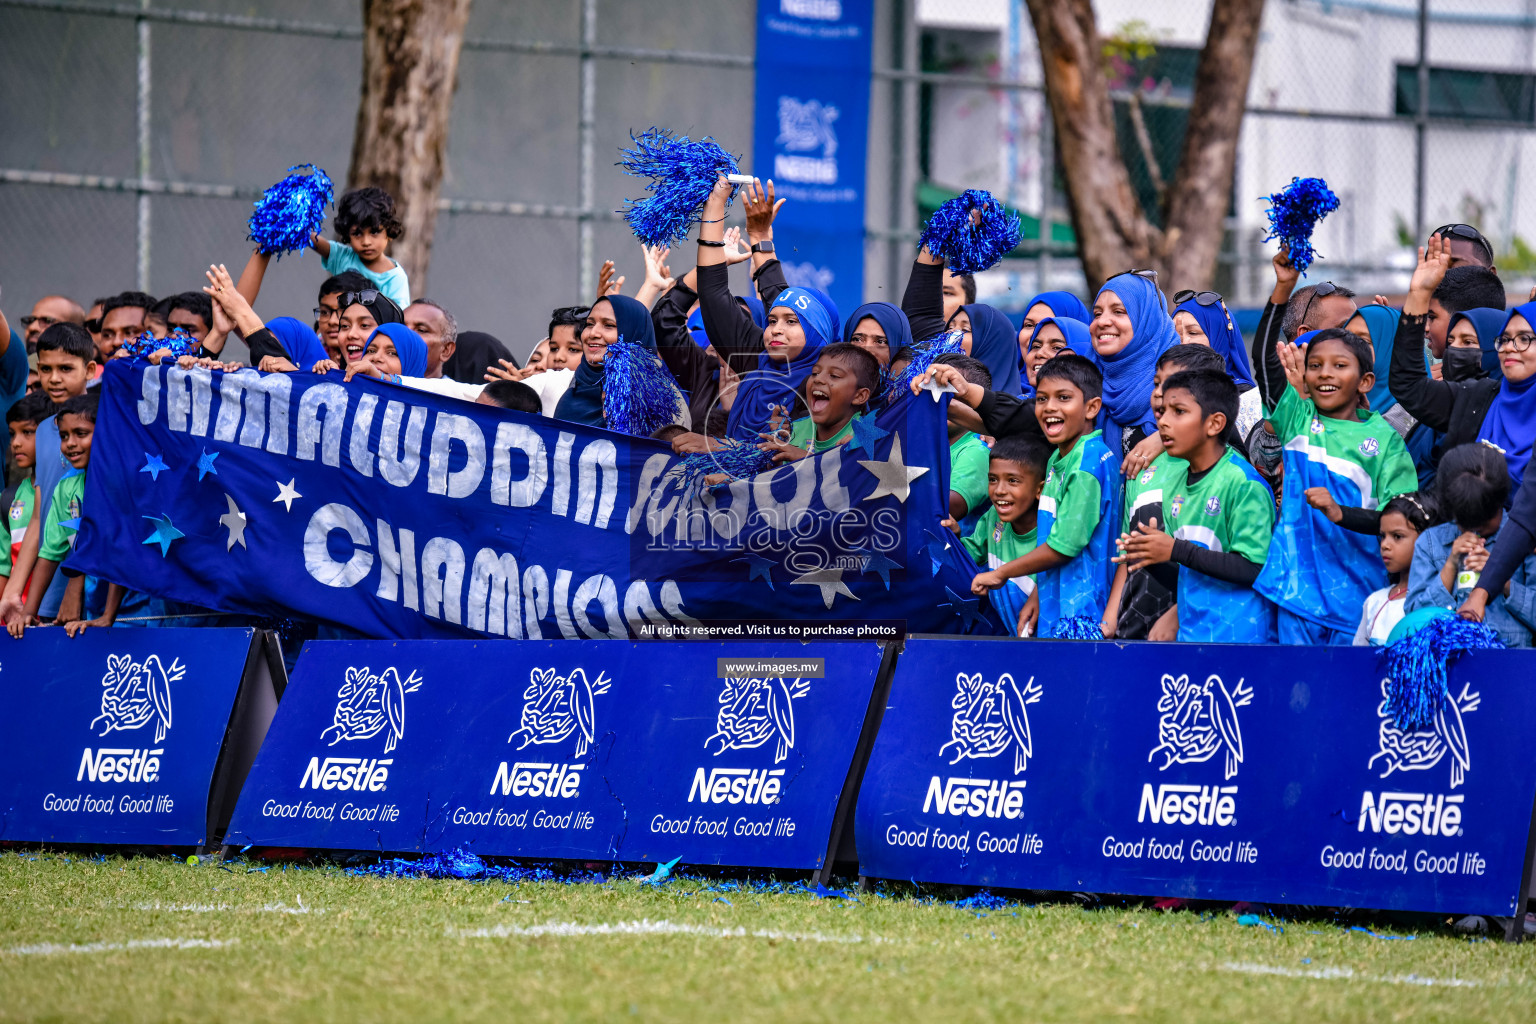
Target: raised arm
{"points": [[1271, 376], [1427, 400], [923, 301]]}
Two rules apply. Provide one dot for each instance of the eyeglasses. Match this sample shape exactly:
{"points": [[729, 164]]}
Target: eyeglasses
{"points": [[94, 326], [1202, 298], [326, 312], [46, 321], [1519, 342]]}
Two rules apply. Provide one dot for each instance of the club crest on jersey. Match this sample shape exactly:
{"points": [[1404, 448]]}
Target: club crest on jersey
{"points": [[1147, 475], [1177, 505], [1212, 505], [1369, 447], [1317, 425]]}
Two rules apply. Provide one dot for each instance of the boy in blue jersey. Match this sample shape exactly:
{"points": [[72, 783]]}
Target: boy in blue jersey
{"points": [[1319, 572], [1079, 514], [1218, 516]]}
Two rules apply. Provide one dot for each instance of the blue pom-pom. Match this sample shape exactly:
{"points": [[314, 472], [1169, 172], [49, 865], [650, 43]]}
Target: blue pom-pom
{"points": [[968, 247], [923, 355], [682, 173], [736, 459], [1077, 627], [291, 212], [1294, 211], [178, 341], [1416, 667], [640, 395]]}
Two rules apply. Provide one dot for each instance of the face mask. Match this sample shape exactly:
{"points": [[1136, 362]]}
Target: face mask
{"points": [[1462, 364]]}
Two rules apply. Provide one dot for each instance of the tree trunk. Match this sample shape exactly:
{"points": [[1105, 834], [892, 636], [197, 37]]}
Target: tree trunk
{"points": [[410, 70], [1202, 188], [1113, 233]]}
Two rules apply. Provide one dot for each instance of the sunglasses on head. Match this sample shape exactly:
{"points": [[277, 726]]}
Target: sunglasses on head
{"points": [[366, 297], [1467, 233], [1148, 275], [1322, 291], [1201, 298]]}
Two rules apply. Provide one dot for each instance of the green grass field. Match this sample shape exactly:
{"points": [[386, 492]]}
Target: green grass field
{"points": [[159, 939]]}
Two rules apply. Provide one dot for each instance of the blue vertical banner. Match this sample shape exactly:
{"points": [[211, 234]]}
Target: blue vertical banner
{"points": [[810, 136]]}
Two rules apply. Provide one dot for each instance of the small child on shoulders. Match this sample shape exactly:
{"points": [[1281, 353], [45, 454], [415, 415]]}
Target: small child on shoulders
{"points": [[838, 390], [365, 223], [1320, 569], [1403, 520], [1008, 528], [1471, 487]]}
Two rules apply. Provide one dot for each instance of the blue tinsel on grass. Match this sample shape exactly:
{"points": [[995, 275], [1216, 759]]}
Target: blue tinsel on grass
{"points": [[967, 247], [1077, 627], [923, 355], [639, 395], [682, 173], [1416, 667], [291, 212], [178, 341], [1294, 211]]}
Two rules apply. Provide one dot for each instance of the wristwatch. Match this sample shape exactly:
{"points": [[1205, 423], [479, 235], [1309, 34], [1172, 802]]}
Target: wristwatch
{"points": [[765, 246]]}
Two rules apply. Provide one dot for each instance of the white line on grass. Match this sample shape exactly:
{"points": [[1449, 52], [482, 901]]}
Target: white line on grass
{"points": [[52, 948], [214, 908], [1347, 974], [570, 929]]}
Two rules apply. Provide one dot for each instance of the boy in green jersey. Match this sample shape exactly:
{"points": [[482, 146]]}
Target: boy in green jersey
{"points": [[1015, 478], [22, 420], [968, 455], [839, 388]]}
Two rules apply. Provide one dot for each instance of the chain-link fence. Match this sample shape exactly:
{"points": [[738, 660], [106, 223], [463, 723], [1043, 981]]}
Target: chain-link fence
{"points": [[136, 136]]}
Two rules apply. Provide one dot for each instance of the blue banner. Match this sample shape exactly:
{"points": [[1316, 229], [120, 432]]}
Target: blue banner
{"points": [[113, 736], [400, 513], [811, 127], [715, 753], [1200, 772]]}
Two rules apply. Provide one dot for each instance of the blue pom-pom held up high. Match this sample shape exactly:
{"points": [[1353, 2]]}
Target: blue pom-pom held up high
{"points": [[1294, 211], [291, 212], [682, 173], [970, 244]]}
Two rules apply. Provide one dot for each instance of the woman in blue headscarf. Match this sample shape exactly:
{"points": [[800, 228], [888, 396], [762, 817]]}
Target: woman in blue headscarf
{"points": [[1378, 325], [396, 349], [1471, 349], [284, 345], [989, 336], [1061, 305], [611, 320], [1510, 424], [799, 326], [1130, 329], [1051, 337], [1202, 318], [879, 328]]}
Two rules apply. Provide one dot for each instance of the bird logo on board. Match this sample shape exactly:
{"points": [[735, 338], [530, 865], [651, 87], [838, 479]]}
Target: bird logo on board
{"points": [[133, 693], [1404, 751], [369, 703], [1213, 505], [555, 706], [1195, 720], [806, 125], [990, 718], [753, 710], [1369, 447]]}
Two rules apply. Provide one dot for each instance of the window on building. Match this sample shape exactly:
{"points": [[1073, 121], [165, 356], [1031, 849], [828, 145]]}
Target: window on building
{"points": [[1468, 94]]}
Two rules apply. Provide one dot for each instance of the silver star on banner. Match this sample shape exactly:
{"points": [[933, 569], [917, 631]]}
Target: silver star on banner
{"points": [[895, 476], [829, 580], [286, 494], [235, 522]]}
